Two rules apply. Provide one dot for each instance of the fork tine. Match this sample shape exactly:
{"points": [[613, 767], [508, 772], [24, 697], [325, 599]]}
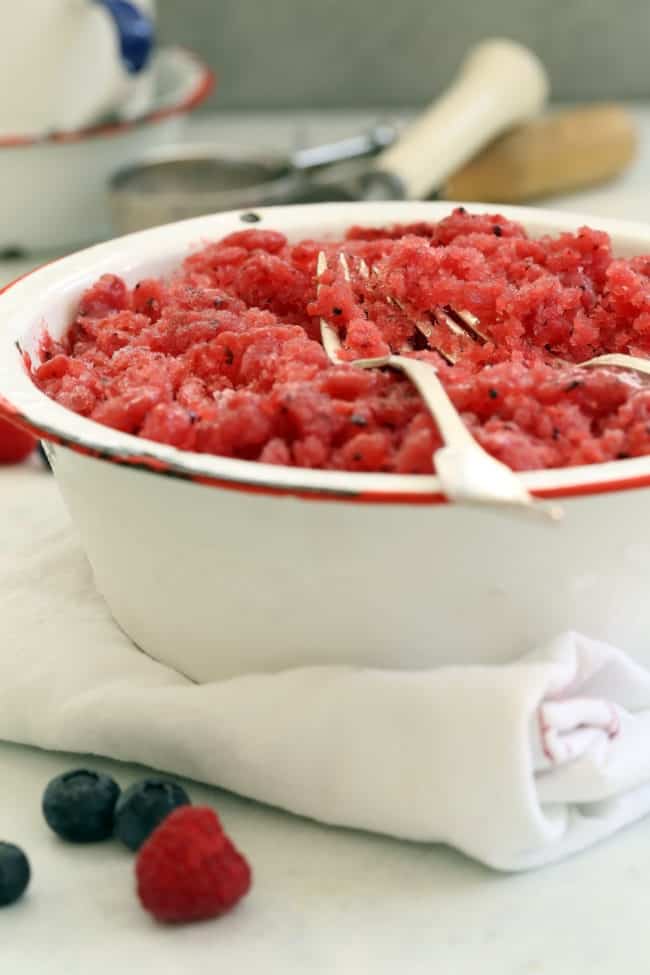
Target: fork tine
{"points": [[328, 334], [443, 318], [458, 322], [448, 358], [470, 320], [426, 329], [462, 323], [332, 342]]}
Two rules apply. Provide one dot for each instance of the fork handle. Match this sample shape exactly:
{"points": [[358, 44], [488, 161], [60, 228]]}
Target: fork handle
{"points": [[632, 362], [500, 84], [466, 472], [423, 376]]}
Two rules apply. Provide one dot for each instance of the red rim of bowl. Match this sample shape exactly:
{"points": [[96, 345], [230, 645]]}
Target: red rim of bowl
{"points": [[151, 463], [204, 87]]}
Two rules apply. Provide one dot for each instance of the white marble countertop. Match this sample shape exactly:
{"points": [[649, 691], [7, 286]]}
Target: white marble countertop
{"points": [[324, 900]]}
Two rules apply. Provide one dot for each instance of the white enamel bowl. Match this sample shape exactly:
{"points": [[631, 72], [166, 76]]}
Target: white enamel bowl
{"points": [[219, 567], [55, 189]]}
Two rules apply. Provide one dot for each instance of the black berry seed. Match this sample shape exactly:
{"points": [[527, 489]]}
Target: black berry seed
{"points": [[14, 873], [142, 808], [79, 805], [250, 217]]}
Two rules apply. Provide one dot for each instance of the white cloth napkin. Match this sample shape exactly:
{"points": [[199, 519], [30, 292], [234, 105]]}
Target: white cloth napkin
{"points": [[517, 765]]}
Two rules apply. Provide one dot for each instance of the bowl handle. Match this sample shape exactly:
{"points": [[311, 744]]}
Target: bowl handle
{"points": [[135, 32]]}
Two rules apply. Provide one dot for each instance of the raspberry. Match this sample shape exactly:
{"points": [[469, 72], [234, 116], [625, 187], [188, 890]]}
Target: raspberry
{"points": [[15, 444], [189, 870]]}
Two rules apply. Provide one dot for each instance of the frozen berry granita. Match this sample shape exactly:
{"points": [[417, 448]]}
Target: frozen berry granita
{"points": [[223, 356]]}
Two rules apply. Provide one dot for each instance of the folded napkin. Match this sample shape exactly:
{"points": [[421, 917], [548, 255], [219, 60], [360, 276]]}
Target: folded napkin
{"points": [[517, 765]]}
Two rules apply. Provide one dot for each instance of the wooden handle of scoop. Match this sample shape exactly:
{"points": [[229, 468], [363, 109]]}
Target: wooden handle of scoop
{"points": [[556, 153]]}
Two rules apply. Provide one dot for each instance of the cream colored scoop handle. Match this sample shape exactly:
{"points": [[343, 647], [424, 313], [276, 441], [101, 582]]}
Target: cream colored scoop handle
{"points": [[500, 84]]}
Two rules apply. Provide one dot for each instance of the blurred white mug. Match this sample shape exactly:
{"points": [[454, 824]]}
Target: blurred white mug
{"points": [[67, 64]]}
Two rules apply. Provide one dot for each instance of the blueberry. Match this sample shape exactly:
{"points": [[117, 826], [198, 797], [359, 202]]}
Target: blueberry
{"points": [[143, 806], [79, 805], [14, 873]]}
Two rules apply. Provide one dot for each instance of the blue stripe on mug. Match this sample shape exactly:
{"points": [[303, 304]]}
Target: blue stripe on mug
{"points": [[135, 31]]}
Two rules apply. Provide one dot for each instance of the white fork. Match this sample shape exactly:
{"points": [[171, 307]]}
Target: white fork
{"points": [[467, 473]]}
